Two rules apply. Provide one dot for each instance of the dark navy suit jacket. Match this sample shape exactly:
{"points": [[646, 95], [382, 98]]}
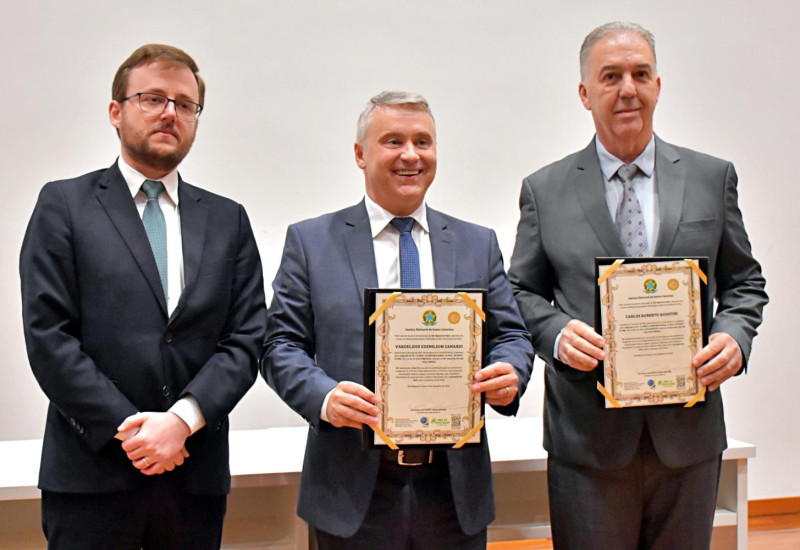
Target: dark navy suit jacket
{"points": [[102, 346]]}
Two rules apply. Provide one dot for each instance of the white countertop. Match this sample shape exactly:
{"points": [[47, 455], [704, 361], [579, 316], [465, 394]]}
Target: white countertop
{"points": [[274, 456]]}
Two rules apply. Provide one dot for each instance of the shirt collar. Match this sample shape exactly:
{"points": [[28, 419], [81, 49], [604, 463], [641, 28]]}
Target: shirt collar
{"points": [[134, 179], [609, 164], [379, 217]]}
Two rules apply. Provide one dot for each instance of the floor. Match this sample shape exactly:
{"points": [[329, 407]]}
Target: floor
{"points": [[772, 532]]}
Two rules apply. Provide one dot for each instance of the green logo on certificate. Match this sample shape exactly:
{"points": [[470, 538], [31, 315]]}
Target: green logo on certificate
{"points": [[429, 318], [650, 286]]}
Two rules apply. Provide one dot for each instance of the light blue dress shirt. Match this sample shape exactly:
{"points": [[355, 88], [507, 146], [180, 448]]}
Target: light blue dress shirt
{"points": [[644, 183]]}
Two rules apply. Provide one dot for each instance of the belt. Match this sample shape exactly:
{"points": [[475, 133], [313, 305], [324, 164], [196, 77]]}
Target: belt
{"points": [[409, 457]]}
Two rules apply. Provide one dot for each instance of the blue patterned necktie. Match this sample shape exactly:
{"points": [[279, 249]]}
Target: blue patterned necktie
{"points": [[156, 228], [409, 255], [630, 220]]}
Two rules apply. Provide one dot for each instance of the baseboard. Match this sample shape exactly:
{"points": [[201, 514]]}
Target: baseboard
{"points": [[773, 506]]}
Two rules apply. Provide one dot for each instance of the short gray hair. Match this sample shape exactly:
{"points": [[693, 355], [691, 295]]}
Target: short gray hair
{"points": [[615, 28], [388, 98]]}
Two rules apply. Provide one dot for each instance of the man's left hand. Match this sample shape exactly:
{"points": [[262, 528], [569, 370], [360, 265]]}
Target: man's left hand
{"points": [[158, 446], [718, 361], [499, 381]]}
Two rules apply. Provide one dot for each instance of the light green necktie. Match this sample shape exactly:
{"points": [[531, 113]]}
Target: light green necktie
{"points": [[156, 228]]}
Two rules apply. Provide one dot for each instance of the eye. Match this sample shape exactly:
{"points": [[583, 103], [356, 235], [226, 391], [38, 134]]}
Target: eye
{"points": [[152, 99], [185, 106]]}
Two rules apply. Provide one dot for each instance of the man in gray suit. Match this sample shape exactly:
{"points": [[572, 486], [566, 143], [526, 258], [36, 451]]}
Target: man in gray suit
{"points": [[313, 354], [643, 477]]}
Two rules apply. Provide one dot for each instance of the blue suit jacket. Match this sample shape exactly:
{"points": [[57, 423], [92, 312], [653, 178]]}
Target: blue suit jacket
{"points": [[315, 339], [102, 346], [564, 224]]}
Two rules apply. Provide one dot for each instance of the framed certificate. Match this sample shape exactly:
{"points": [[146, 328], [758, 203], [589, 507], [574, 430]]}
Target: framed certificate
{"points": [[421, 352], [650, 313]]}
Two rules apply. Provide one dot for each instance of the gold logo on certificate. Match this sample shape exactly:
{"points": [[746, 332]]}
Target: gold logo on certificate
{"points": [[673, 284], [454, 317]]}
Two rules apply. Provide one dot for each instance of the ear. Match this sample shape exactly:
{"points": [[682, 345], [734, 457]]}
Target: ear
{"points": [[658, 83], [583, 94], [359, 151], [114, 114]]}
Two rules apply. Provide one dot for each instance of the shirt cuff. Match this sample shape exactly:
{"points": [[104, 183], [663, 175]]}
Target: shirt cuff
{"points": [[555, 346], [323, 414], [188, 410]]}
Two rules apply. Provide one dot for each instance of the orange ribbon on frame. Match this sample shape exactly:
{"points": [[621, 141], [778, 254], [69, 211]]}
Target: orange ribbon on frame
{"points": [[469, 435]]}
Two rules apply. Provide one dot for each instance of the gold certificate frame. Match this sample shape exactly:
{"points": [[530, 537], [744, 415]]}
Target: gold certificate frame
{"points": [[650, 314], [422, 350]]}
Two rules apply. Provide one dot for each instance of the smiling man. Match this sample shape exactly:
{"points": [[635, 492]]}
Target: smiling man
{"points": [[643, 477], [143, 308], [313, 356]]}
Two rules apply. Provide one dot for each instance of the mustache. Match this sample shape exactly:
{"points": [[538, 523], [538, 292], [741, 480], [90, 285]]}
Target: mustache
{"points": [[165, 127]]}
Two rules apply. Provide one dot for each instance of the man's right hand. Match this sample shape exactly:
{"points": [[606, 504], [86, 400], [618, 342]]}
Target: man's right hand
{"points": [[352, 405], [580, 346]]}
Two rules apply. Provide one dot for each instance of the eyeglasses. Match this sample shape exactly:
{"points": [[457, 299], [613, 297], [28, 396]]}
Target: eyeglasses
{"points": [[156, 104]]}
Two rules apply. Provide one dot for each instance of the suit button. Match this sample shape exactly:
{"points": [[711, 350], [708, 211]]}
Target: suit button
{"points": [[168, 337], [73, 422], [165, 391]]}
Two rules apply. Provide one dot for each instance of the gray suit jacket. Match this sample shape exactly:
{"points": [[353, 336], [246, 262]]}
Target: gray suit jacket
{"points": [[564, 225], [315, 339]]}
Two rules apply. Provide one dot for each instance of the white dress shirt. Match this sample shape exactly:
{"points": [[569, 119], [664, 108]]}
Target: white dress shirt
{"points": [[187, 407], [386, 245]]}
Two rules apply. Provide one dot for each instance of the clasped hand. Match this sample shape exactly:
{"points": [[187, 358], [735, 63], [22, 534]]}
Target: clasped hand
{"points": [[159, 444]]}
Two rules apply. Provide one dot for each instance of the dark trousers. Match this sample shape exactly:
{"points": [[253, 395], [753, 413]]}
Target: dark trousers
{"points": [[412, 508], [158, 518], [644, 506]]}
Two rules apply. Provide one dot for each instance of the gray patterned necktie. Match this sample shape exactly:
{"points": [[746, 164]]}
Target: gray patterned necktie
{"points": [[629, 220], [156, 228]]}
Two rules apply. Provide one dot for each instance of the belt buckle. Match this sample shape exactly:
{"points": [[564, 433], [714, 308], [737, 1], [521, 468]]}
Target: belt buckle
{"points": [[401, 459]]}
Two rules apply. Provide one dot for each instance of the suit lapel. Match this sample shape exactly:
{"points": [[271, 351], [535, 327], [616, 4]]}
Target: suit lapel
{"points": [[442, 249], [194, 216], [115, 197], [670, 183], [358, 244], [586, 183]]}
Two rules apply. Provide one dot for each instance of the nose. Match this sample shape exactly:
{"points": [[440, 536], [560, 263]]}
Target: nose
{"points": [[627, 87], [409, 152], [170, 109]]}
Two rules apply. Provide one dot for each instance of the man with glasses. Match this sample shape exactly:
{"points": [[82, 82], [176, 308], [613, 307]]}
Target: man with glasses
{"points": [[143, 310]]}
